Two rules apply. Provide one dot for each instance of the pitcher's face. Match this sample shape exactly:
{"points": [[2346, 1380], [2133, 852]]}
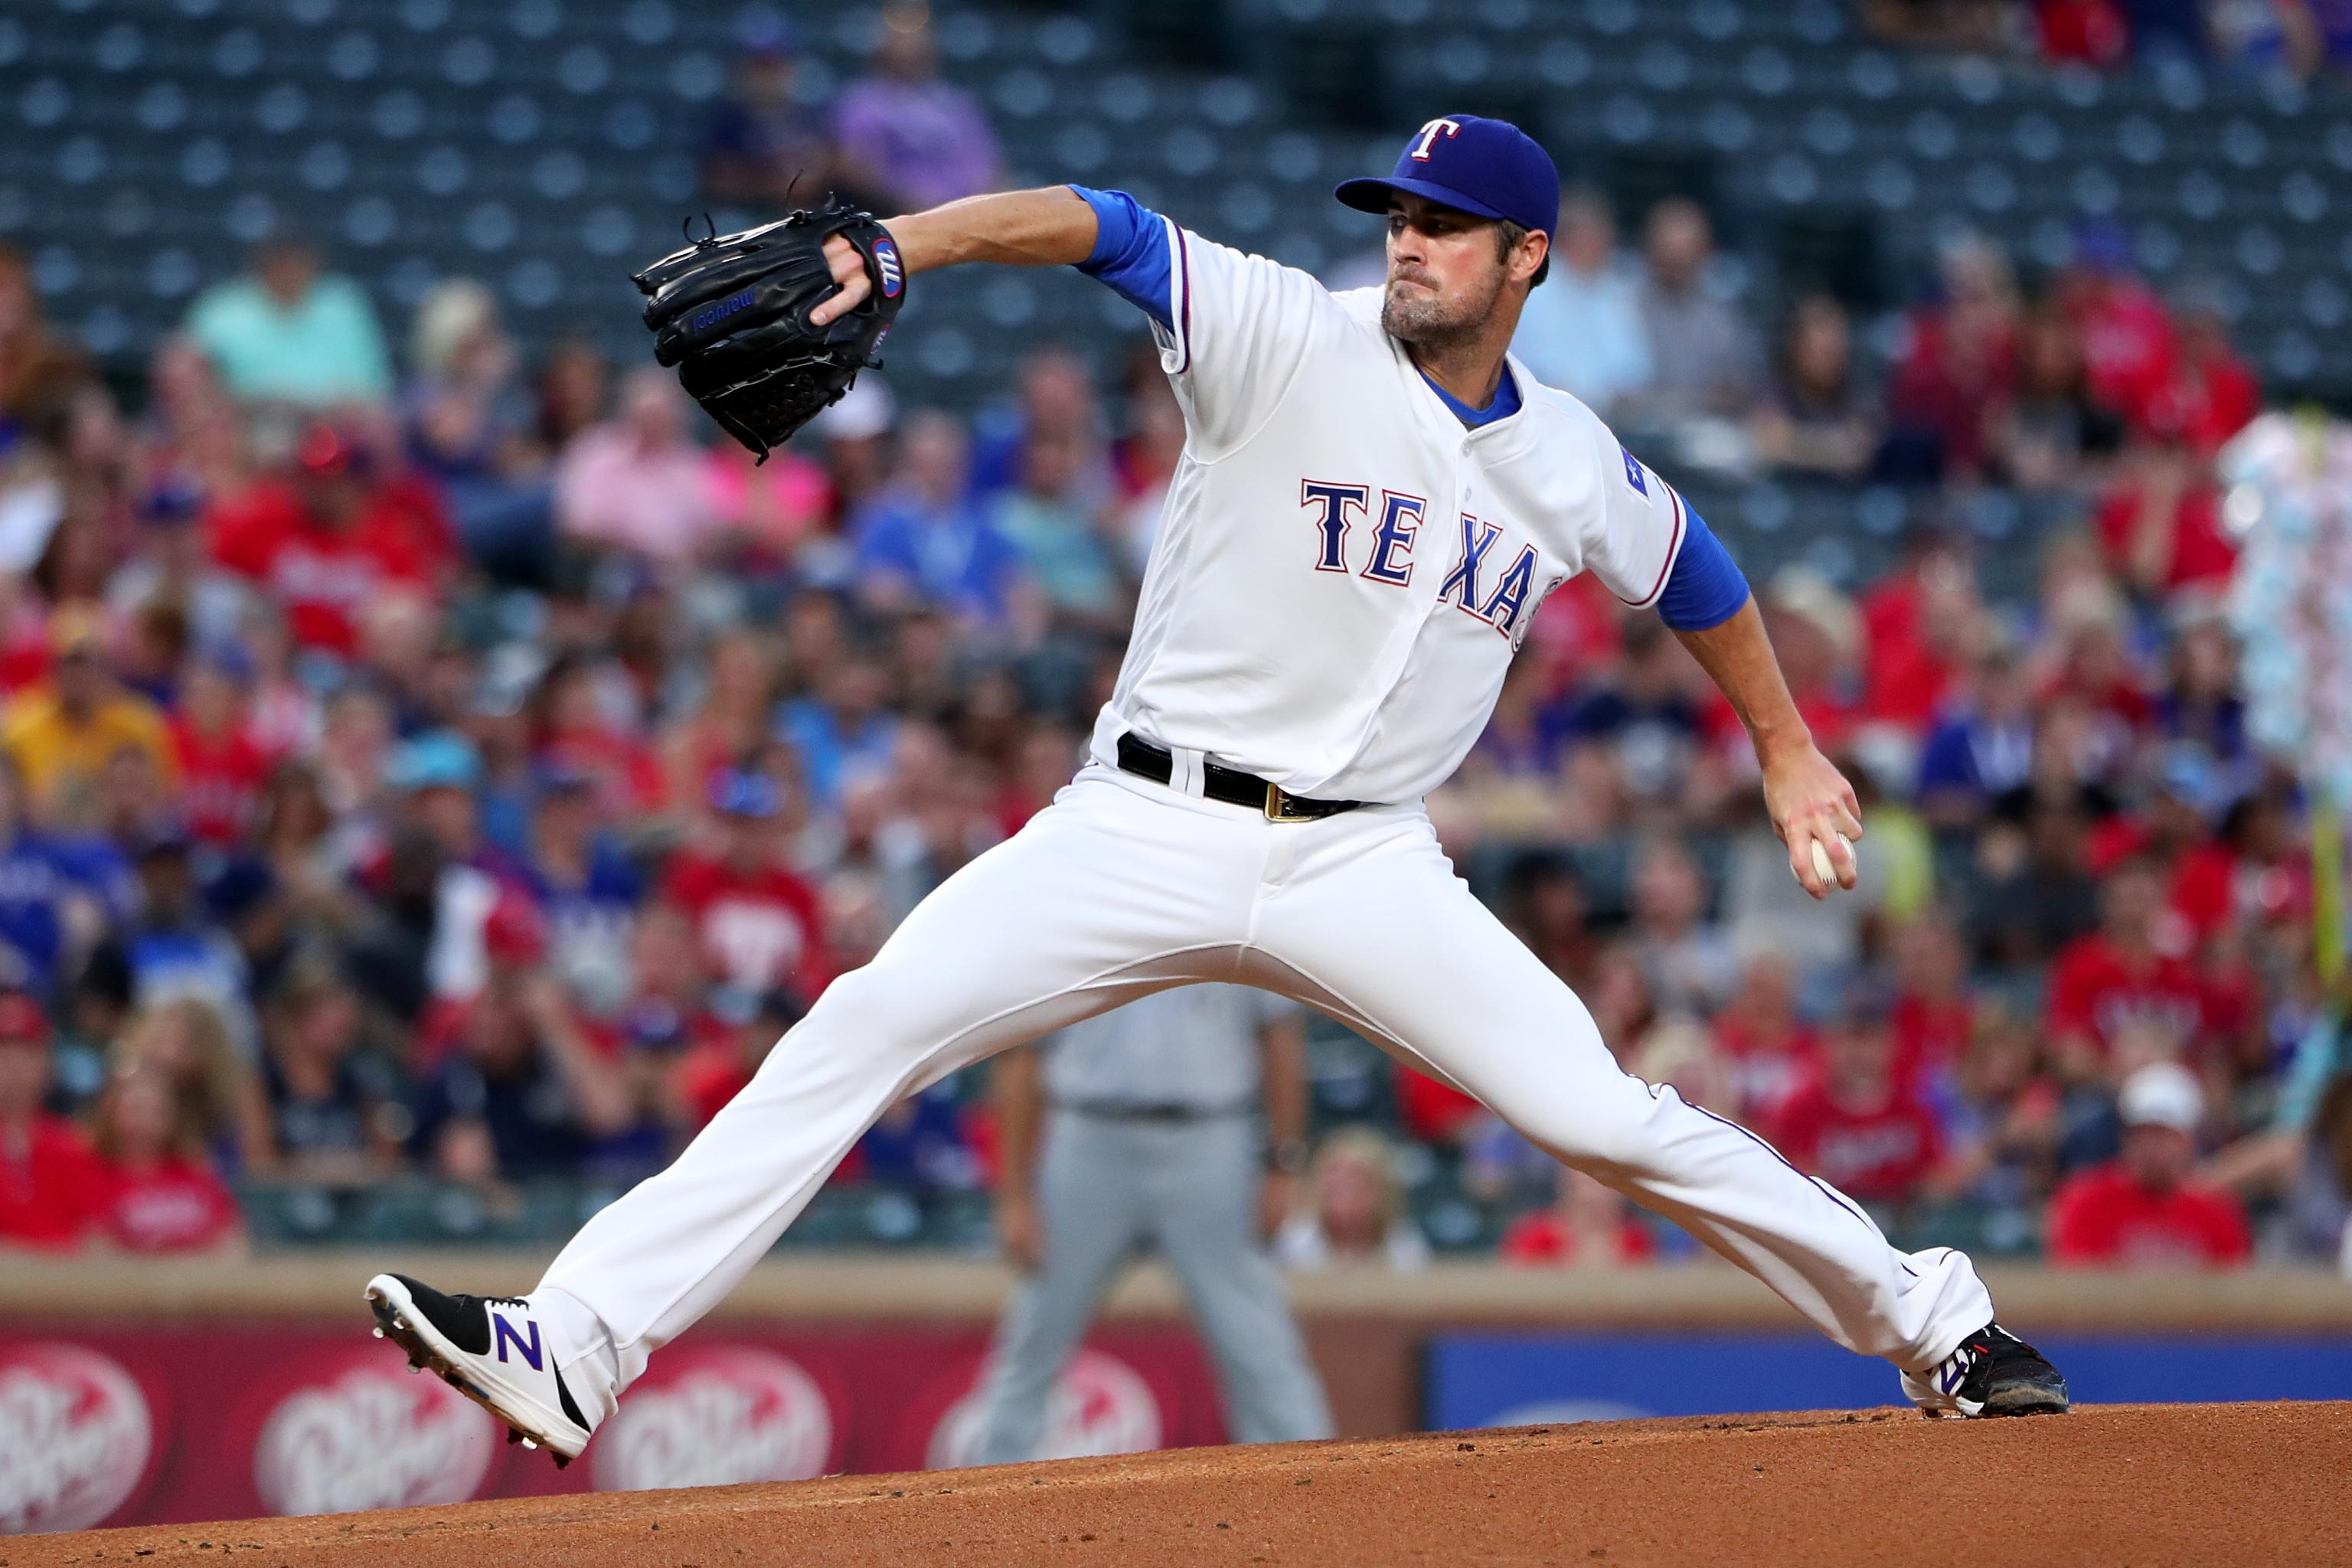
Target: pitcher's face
{"points": [[1447, 270]]}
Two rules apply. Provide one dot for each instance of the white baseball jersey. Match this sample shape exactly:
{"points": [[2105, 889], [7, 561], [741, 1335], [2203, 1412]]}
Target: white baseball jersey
{"points": [[1342, 570]]}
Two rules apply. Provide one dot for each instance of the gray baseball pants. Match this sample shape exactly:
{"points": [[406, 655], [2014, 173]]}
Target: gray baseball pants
{"points": [[1107, 1187]]}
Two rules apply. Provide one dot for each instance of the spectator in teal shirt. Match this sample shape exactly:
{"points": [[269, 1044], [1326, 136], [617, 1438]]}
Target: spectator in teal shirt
{"points": [[288, 334], [1066, 550]]}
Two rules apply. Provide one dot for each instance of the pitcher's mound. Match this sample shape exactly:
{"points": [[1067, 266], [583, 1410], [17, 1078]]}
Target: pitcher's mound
{"points": [[2142, 1484]]}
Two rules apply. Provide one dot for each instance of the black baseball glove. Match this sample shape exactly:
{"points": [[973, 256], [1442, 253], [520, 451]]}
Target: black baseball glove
{"points": [[731, 312]]}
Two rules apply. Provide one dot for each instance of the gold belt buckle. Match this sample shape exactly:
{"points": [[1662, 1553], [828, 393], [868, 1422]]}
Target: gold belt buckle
{"points": [[1277, 807]]}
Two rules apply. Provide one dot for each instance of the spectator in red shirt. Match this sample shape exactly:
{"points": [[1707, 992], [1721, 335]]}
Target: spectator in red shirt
{"points": [[740, 1030], [2143, 1210], [2091, 708], [326, 542], [2118, 979], [2087, 32], [1588, 1223], [576, 731], [2161, 525], [1435, 1112], [1934, 1016], [160, 1191], [2174, 833], [49, 1183], [1857, 1125], [1770, 1046], [2211, 395], [738, 699], [761, 924], [2128, 342], [221, 769], [1957, 367], [1922, 626]]}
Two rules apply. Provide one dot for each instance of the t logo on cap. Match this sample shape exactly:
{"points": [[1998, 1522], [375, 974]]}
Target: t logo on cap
{"points": [[1487, 168], [1429, 137]]}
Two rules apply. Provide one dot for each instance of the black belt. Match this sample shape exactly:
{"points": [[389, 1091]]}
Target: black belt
{"points": [[1133, 1110], [1234, 787]]}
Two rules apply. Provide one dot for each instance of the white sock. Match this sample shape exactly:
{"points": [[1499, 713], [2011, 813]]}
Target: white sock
{"points": [[583, 1347]]}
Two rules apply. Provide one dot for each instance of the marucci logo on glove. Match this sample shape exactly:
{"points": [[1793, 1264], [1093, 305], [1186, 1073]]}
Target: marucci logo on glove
{"points": [[711, 316], [886, 261]]}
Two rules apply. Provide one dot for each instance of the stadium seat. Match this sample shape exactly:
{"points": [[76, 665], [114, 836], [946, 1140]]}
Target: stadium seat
{"points": [[171, 273], [1022, 93], [443, 171], [1082, 148], [371, 221], [534, 285], [1891, 185], [696, 78], [425, 17], [583, 68], [397, 115], [1728, 128]]}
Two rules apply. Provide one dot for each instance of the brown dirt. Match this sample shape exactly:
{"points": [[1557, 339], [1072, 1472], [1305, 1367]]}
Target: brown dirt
{"points": [[2142, 1485]]}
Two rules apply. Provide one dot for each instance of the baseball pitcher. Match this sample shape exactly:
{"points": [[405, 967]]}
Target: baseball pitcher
{"points": [[1372, 500]]}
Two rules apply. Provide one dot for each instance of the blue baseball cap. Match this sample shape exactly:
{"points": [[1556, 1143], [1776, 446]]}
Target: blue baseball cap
{"points": [[739, 792], [1487, 168], [439, 759]]}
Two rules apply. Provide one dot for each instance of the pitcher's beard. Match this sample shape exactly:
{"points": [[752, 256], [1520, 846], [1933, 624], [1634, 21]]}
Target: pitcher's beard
{"points": [[1427, 320]]}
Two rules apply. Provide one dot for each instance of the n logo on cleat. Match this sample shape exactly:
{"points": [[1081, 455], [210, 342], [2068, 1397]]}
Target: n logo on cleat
{"points": [[501, 1332]]}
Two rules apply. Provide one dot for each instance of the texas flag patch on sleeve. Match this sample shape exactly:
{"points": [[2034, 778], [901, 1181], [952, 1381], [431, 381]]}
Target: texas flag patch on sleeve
{"points": [[1634, 474]]}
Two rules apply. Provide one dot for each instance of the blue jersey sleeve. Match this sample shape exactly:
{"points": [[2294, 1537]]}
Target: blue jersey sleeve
{"points": [[1706, 587], [1131, 252]]}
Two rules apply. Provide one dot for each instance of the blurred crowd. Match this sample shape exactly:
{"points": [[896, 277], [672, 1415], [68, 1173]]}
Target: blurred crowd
{"points": [[2297, 39], [452, 764]]}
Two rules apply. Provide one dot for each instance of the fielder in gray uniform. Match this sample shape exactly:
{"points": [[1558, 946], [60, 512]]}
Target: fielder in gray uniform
{"points": [[1150, 1136]]}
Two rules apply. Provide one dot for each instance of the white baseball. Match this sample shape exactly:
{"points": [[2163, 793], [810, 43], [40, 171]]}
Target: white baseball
{"points": [[1823, 866]]}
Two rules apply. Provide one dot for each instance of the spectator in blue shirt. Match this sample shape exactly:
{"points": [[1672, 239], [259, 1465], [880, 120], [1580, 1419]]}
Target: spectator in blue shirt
{"points": [[1981, 750], [843, 731], [922, 541], [918, 1144], [764, 147], [586, 890], [172, 947], [1583, 331], [32, 897]]}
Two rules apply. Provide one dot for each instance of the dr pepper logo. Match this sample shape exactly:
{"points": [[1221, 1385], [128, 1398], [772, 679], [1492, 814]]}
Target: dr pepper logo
{"points": [[76, 1435], [716, 1417], [366, 1434]]}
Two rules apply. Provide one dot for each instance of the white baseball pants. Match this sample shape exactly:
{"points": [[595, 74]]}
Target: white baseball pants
{"points": [[1123, 887]]}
